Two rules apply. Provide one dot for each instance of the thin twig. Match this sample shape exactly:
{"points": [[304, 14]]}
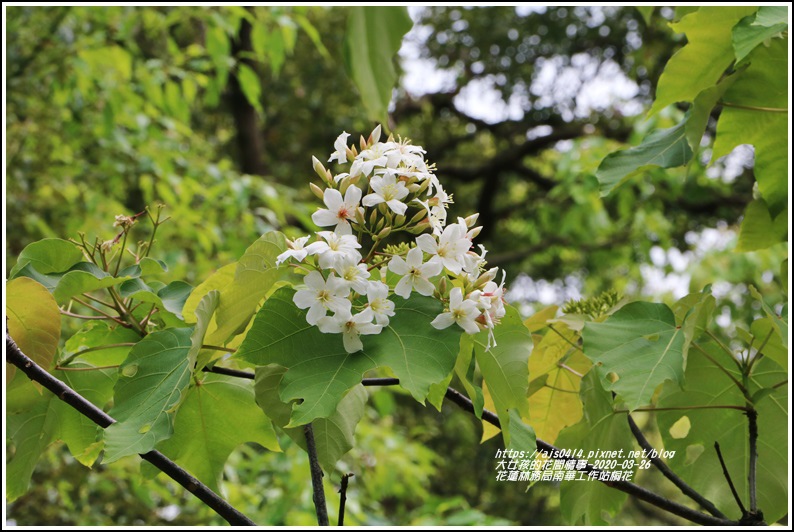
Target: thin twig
{"points": [[68, 359], [759, 351], [752, 419], [569, 369], [665, 470], [82, 317], [92, 298], [219, 348], [725, 371], [564, 338], [730, 481], [755, 108], [675, 408], [724, 348], [98, 311], [343, 498], [69, 396], [318, 494], [91, 368]]}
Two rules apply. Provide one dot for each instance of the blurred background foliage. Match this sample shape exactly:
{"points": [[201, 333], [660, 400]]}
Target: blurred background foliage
{"points": [[215, 112]]}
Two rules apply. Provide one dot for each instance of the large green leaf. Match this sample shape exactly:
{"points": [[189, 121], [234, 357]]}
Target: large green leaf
{"points": [[667, 148], [504, 367], [747, 35], [465, 367], [703, 60], [171, 297], [590, 502], [254, 278], [699, 114], [780, 320], [640, 346], [693, 314], [96, 334], [218, 280], [695, 459], [321, 371], [374, 35], [48, 256], [217, 416], [760, 118], [771, 15], [333, 436], [766, 334], [151, 385], [759, 230], [80, 278], [33, 320]]}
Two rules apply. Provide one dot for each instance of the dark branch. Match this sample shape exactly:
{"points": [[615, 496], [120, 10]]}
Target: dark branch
{"points": [[730, 481], [37, 374], [318, 494], [755, 516], [626, 487], [685, 488], [343, 498]]}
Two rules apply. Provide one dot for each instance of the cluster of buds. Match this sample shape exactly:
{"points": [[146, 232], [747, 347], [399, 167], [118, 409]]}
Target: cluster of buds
{"points": [[389, 189]]}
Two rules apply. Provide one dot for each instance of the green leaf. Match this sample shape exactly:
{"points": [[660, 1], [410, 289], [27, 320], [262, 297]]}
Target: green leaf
{"points": [[666, 148], [219, 279], [781, 320], [758, 230], [437, 392], [419, 354], [522, 436], [250, 85], [30, 432], [217, 416], [254, 278], [147, 266], [771, 16], [171, 297], [761, 120], [333, 436], [152, 383], [504, 367], [374, 35], [693, 314], [699, 113], [465, 367], [204, 312], [96, 334], [705, 57], [590, 502], [33, 320], [321, 371], [766, 332], [695, 460], [48, 256], [747, 35], [646, 12], [641, 345], [682, 11]]}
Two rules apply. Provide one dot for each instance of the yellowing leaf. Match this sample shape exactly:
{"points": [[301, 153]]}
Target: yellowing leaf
{"points": [[34, 320]]}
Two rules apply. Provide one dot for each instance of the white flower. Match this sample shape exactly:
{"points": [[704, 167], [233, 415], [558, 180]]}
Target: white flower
{"points": [[350, 326], [415, 274], [353, 274], [321, 295], [339, 210], [382, 308], [341, 149], [436, 216], [450, 248], [334, 249], [367, 160], [461, 312], [296, 250], [389, 190]]}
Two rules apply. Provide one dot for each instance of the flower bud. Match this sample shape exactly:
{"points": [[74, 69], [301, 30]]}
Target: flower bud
{"points": [[360, 216], [363, 143], [418, 217], [442, 286], [486, 277], [413, 188], [421, 227], [374, 136], [472, 219], [474, 232], [384, 233], [373, 217], [423, 186], [318, 167], [399, 220], [317, 191]]}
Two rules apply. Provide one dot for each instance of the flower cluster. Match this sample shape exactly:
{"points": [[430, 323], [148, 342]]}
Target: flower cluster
{"points": [[350, 272]]}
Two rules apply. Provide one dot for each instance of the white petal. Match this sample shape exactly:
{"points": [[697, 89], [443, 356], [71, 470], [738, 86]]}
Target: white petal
{"points": [[398, 265], [414, 258], [316, 247], [455, 298], [427, 244], [469, 325], [370, 328], [443, 320], [329, 325], [339, 305], [304, 298], [377, 290], [314, 280], [325, 217], [403, 287], [372, 199], [423, 286], [352, 342], [352, 197], [431, 268], [397, 205], [316, 312], [342, 228], [332, 199], [452, 265]]}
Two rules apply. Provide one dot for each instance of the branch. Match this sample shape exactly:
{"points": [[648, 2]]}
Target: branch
{"points": [[317, 477], [343, 498], [489, 417], [730, 481], [626, 487], [755, 516], [37, 374], [685, 488]]}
